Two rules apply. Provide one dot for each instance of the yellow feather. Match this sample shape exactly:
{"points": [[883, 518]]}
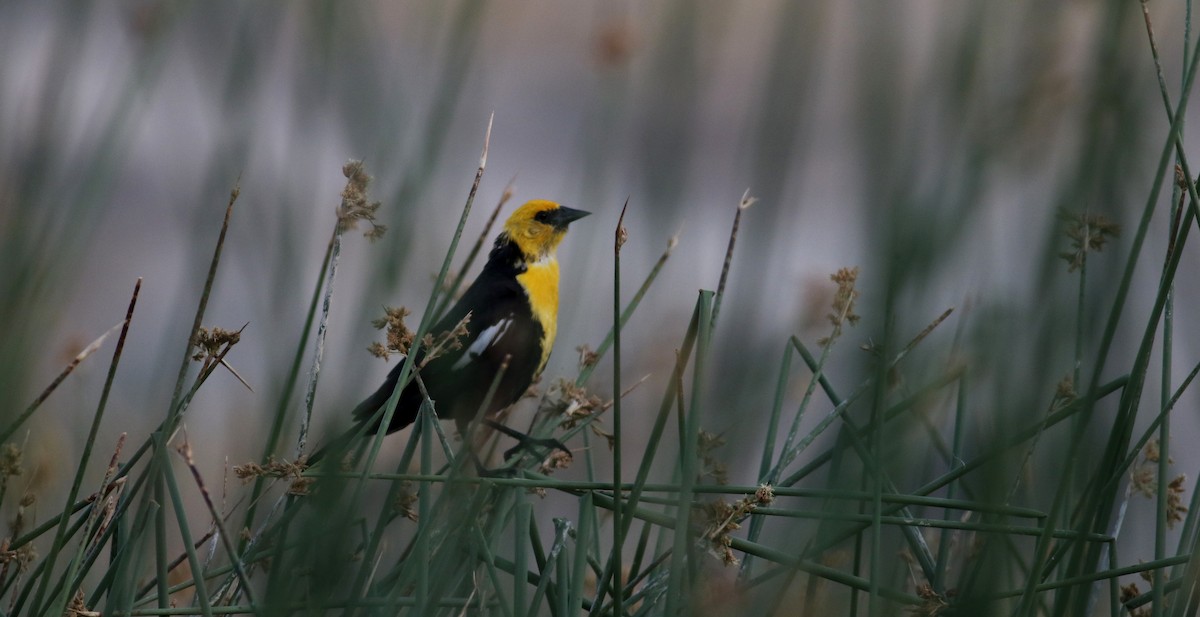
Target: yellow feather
{"points": [[540, 281]]}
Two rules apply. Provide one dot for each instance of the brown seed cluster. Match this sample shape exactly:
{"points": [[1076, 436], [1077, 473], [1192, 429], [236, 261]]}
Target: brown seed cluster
{"points": [[843, 299], [406, 501], [1065, 393], [557, 459], [587, 357], [10, 463], [1144, 479], [445, 342], [397, 335], [212, 344], [1129, 592], [277, 469], [355, 204], [932, 603], [23, 556], [719, 519], [571, 403], [1088, 234], [77, 608]]}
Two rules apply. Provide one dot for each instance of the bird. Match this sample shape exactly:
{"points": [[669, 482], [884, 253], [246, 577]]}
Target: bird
{"points": [[510, 312]]}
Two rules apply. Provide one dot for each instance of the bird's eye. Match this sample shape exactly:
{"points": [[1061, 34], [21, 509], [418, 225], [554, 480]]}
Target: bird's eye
{"points": [[542, 217]]}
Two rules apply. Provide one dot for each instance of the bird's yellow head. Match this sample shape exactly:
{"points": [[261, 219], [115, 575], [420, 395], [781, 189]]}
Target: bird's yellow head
{"points": [[538, 226]]}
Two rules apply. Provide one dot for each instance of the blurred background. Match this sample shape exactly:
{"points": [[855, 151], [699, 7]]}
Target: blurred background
{"points": [[934, 144]]}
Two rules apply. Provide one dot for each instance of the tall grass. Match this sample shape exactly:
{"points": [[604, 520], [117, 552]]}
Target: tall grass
{"points": [[902, 457]]}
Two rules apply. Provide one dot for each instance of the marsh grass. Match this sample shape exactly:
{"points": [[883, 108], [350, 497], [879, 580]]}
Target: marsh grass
{"points": [[433, 537], [959, 464]]}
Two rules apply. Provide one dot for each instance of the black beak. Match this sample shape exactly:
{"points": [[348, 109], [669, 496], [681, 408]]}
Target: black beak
{"points": [[563, 216]]}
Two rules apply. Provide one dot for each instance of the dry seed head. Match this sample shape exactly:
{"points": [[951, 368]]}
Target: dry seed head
{"points": [[445, 341], [209, 343], [1143, 480], [23, 556], [249, 471], [1066, 390], [1129, 592], [17, 524], [556, 460], [706, 441], [77, 608], [10, 461], [1088, 233], [587, 357], [720, 519], [932, 604], [1175, 507], [570, 402], [277, 469], [406, 502], [843, 301], [356, 205], [1152, 452], [379, 350], [398, 336], [26, 555], [299, 486]]}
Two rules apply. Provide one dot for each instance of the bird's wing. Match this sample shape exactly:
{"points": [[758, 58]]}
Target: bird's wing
{"points": [[501, 329], [490, 337]]}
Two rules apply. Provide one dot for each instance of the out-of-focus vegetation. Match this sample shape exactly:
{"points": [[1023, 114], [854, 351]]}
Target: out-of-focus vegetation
{"points": [[974, 416]]}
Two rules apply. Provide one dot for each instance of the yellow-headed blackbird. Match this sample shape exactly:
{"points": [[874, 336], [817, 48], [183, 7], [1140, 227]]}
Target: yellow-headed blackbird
{"points": [[513, 306]]}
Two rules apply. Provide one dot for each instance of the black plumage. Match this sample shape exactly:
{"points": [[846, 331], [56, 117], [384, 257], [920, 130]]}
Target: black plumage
{"points": [[513, 307], [458, 380]]}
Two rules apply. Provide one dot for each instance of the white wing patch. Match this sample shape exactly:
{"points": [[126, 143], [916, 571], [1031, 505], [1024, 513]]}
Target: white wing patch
{"points": [[486, 339]]}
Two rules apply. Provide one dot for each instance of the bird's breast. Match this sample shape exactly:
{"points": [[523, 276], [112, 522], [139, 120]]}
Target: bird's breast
{"points": [[540, 281]]}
